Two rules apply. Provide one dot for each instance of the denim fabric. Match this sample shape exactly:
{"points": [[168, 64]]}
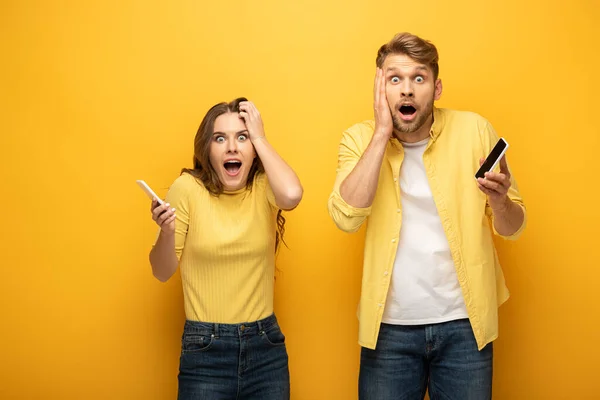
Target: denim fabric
{"points": [[442, 357], [234, 361]]}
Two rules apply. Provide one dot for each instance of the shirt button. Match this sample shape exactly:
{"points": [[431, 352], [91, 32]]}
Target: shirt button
{"points": [[393, 240], [380, 305], [395, 179], [385, 273], [398, 210]]}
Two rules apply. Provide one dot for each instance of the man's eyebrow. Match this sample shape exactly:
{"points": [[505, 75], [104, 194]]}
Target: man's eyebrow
{"points": [[418, 67]]}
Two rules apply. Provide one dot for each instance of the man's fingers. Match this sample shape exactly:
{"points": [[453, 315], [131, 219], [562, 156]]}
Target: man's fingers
{"points": [[499, 178], [504, 168], [497, 187], [376, 89], [504, 165], [484, 189], [490, 184], [382, 95]]}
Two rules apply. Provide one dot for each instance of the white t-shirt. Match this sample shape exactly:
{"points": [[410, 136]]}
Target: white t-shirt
{"points": [[424, 288]]}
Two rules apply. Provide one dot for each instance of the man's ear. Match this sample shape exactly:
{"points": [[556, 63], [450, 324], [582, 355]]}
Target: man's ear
{"points": [[438, 89]]}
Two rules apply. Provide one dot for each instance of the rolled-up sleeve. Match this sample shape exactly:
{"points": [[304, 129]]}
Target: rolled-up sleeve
{"points": [[346, 217], [515, 197]]}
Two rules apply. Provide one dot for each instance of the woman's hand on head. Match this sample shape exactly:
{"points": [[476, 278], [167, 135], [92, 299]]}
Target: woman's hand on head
{"points": [[249, 113]]}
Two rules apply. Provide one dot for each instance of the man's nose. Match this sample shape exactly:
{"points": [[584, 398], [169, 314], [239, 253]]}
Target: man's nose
{"points": [[407, 89]]}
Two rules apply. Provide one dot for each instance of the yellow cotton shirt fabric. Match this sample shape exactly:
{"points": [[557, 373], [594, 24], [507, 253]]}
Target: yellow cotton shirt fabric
{"points": [[226, 250], [458, 139]]}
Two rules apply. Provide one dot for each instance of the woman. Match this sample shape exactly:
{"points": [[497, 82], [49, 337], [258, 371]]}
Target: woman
{"points": [[222, 224]]}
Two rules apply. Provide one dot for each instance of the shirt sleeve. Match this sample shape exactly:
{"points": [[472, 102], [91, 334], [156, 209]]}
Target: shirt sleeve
{"points": [[346, 217], [262, 185]]}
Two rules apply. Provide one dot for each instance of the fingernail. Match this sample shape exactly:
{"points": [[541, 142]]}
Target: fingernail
{"points": [[172, 209]]}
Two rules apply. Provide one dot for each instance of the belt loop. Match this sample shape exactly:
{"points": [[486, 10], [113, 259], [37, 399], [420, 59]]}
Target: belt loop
{"points": [[260, 327], [216, 330]]}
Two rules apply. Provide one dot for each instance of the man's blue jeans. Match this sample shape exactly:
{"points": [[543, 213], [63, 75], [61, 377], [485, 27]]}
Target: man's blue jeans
{"points": [[442, 357]]}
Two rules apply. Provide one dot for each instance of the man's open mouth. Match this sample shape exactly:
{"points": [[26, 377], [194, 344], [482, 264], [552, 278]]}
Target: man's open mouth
{"points": [[232, 167], [407, 110]]}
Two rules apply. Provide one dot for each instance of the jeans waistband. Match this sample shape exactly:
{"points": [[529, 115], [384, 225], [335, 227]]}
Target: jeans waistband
{"points": [[234, 330]]}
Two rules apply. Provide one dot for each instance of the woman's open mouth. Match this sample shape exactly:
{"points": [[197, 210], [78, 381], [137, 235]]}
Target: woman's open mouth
{"points": [[232, 167]]}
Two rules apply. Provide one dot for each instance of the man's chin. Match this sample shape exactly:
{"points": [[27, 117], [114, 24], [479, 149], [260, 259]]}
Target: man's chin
{"points": [[409, 127], [404, 127]]}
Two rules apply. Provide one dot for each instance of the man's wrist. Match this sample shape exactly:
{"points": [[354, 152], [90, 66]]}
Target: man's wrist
{"points": [[380, 136], [382, 132], [503, 206]]}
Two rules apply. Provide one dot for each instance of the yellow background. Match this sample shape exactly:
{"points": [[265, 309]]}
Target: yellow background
{"points": [[95, 95]]}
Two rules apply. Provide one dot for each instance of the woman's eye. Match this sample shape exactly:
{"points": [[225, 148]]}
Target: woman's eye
{"points": [[241, 138], [220, 139]]}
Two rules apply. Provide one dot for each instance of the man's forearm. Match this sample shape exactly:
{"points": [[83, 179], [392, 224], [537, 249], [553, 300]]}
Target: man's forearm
{"points": [[360, 186], [508, 219]]}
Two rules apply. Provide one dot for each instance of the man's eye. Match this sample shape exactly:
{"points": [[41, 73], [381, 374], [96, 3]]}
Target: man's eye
{"points": [[420, 79], [395, 79]]}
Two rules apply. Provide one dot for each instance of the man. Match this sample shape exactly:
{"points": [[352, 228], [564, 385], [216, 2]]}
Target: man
{"points": [[432, 282]]}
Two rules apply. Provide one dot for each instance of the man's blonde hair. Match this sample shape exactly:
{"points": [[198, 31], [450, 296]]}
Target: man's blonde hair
{"points": [[412, 46]]}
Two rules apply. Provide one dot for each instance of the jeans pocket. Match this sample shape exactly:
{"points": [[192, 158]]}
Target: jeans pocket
{"points": [[273, 336], [194, 343]]}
